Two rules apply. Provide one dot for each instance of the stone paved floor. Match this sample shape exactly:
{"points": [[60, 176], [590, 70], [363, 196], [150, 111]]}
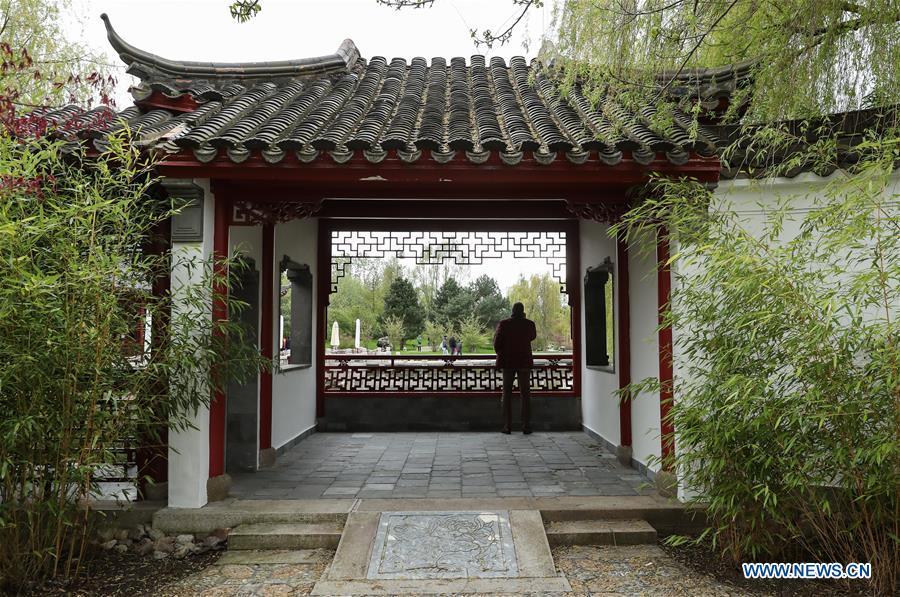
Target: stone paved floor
{"points": [[441, 464], [590, 570]]}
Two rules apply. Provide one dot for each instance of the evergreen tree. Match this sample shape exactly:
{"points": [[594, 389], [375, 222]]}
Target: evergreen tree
{"points": [[490, 306], [452, 303], [402, 302]]}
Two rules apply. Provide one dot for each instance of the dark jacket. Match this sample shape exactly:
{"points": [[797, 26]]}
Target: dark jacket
{"points": [[512, 341]]}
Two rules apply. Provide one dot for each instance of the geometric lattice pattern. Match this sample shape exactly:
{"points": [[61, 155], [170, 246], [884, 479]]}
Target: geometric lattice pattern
{"points": [[552, 375], [436, 247]]}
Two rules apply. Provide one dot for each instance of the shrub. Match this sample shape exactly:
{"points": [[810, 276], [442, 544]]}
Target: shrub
{"points": [[786, 404], [74, 383]]}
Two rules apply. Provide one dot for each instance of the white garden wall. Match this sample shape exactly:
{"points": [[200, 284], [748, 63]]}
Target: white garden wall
{"points": [[294, 388], [599, 403], [645, 430], [189, 449]]}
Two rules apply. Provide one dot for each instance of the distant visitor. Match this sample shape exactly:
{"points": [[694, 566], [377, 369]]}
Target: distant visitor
{"points": [[512, 341]]}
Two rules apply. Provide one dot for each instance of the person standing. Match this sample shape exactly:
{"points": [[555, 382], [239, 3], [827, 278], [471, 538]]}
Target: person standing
{"points": [[452, 343], [512, 342]]}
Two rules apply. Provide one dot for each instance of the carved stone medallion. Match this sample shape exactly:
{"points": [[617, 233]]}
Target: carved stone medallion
{"points": [[423, 545]]}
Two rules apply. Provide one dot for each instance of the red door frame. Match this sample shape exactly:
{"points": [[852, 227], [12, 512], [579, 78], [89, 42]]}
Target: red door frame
{"points": [[666, 369], [323, 273]]}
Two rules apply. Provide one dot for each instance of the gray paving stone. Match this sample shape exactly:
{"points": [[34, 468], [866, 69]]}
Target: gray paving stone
{"points": [[443, 464]]}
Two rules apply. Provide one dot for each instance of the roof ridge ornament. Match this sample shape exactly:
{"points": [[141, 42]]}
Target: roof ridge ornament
{"points": [[153, 68]]}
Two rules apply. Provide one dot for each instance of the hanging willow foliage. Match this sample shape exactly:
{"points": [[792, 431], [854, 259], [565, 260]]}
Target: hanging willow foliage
{"points": [[806, 58]]}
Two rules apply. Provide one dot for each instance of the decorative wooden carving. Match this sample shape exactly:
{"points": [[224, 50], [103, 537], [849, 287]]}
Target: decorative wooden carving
{"points": [[247, 212], [358, 374], [598, 212], [436, 247]]}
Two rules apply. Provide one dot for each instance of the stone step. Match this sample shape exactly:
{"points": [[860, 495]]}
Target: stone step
{"points": [[285, 535], [600, 532], [229, 514]]}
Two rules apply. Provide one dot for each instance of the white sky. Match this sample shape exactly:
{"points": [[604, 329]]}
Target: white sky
{"points": [[284, 29]]}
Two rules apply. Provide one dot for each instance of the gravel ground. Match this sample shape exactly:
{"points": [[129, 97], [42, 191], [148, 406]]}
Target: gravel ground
{"points": [[117, 575], [591, 570], [633, 570]]}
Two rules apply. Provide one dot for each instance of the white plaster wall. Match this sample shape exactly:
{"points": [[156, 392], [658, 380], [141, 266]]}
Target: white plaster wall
{"points": [[750, 200], [599, 403], [294, 389], [189, 448], [645, 417]]}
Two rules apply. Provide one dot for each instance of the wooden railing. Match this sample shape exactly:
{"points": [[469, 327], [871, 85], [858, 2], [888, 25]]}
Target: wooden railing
{"points": [[348, 375]]}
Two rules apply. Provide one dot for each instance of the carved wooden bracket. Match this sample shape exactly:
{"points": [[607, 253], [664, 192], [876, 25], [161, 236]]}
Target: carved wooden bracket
{"points": [[247, 212], [608, 213]]}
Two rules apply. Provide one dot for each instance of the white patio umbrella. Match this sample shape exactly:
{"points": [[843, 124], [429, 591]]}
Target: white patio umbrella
{"points": [[335, 335], [356, 342]]}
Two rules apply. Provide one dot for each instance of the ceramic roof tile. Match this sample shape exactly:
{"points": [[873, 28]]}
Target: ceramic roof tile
{"points": [[341, 103]]}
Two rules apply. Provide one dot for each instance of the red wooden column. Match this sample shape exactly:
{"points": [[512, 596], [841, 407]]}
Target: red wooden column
{"points": [[152, 455], [323, 297], [573, 288], [624, 347], [663, 292], [219, 313], [266, 331]]}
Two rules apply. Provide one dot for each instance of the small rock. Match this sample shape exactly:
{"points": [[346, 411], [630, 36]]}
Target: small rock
{"points": [[126, 542], [109, 544], [137, 533], [155, 534], [182, 551], [166, 545], [145, 547], [122, 534], [184, 539], [123, 549], [198, 548], [105, 534], [160, 555], [214, 542], [220, 533]]}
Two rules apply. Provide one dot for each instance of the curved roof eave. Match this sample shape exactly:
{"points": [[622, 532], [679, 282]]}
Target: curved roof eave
{"points": [[147, 66]]}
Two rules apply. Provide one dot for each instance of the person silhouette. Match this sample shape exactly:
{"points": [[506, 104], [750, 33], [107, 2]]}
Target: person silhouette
{"points": [[512, 343]]}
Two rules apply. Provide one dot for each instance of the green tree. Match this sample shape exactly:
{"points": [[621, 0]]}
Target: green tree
{"points": [[543, 304], [395, 332], [472, 333], [489, 303], [402, 303], [51, 69], [452, 303], [352, 302]]}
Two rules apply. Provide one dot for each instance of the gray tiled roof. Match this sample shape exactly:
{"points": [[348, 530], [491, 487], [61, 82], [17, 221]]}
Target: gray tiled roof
{"points": [[342, 103]]}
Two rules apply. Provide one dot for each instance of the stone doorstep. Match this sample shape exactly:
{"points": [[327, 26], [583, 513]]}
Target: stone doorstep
{"points": [[666, 516], [282, 535], [600, 532], [450, 586], [348, 571]]}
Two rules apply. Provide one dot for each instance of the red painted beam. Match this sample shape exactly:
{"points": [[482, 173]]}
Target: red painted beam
{"points": [[266, 331], [570, 227], [217, 408], [663, 294], [624, 347], [393, 178], [562, 395]]}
